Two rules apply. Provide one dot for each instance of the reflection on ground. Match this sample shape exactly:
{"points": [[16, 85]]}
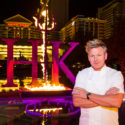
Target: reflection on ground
{"points": [[12, 112]]}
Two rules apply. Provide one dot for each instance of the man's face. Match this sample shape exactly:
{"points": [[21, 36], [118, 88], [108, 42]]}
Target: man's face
{"points": [[97, 57]]}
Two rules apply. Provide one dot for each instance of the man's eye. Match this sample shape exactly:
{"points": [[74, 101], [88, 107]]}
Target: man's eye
{"points": [[99, 55]]}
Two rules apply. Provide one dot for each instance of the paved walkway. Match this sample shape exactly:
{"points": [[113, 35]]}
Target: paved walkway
{"points": [[14, 115]]}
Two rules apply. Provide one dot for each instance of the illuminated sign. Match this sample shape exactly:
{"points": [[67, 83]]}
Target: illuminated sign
{"points": [[18, 24], [56, 61]]}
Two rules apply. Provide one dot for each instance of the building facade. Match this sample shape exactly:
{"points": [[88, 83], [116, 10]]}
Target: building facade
{"points": [[22, 29], [112, 13], [86, 28]]}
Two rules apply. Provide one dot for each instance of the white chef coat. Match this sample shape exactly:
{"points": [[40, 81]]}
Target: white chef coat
{"points": [[99, 82]]}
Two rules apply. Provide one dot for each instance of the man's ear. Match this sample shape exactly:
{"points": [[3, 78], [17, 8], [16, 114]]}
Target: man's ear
{"points": [[106, 56]]}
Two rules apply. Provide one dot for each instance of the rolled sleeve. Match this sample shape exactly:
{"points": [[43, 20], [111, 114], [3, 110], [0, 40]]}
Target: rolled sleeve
{"points": [[118, 81]]}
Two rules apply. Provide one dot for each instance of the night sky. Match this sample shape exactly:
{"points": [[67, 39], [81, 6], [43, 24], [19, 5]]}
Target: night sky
{"points": [[27, 8], [86, 7]]}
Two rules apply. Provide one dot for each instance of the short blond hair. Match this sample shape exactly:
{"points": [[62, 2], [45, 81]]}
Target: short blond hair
{"points": [[94, 44]]}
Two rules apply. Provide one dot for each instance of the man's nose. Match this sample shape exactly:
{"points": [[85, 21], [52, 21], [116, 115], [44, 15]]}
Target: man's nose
{"points": [[95, 58]]}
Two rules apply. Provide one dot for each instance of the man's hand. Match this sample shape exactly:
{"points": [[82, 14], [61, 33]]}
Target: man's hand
{"points": [[112, 91], [80, 92]]}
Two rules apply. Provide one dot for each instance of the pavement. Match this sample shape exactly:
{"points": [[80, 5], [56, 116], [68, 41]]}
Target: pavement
{"points": [[12, 112]]}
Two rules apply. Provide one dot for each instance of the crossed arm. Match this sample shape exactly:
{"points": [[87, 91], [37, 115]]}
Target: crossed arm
{"points": [[112, 98]]}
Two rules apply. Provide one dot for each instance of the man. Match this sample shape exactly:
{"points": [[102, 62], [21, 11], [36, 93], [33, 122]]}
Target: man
{"points": [[98, 90]]}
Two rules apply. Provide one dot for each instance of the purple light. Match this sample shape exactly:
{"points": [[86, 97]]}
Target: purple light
{"points": [[58, 102]]}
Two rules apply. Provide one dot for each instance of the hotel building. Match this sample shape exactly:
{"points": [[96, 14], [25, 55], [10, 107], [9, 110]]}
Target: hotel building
{"points": [[22, 29], [112, 13], [87, 27]]}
